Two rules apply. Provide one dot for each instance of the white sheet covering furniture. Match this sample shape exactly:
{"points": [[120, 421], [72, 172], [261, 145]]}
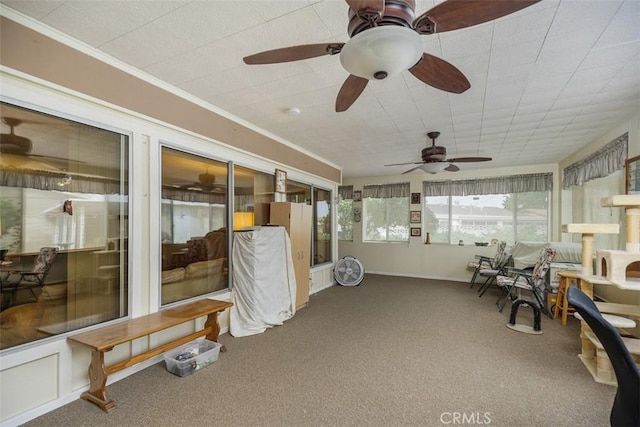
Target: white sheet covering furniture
{"points": [[264, 283], [525, 254]]}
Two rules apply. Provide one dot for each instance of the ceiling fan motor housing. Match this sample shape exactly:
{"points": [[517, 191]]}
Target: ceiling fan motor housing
{"points": [[435, 153], [15, 144], [10, 143], [396, 12]]}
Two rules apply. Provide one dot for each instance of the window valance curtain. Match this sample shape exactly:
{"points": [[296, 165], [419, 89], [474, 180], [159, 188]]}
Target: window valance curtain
{"points": [[496, 185], [194, 196], [386, 191], [345, 192], [603, 162], [56, 181]]}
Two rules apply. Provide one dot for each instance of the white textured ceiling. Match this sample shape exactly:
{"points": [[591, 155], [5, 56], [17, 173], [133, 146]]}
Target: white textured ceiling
{"points": [[545, 81]]}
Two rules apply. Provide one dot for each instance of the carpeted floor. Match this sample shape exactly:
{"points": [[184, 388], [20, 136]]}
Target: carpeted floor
{"points": [[390, 352]]}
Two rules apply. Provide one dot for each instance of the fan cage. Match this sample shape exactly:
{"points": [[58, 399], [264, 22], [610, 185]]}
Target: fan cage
{"points": [[349, 271]]}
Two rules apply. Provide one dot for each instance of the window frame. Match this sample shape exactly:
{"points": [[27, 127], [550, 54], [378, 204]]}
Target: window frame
{"points": [[514, 215]]}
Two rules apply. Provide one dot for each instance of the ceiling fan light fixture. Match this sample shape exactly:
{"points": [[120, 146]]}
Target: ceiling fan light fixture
{"points": [[435, 167], [381, 52]]}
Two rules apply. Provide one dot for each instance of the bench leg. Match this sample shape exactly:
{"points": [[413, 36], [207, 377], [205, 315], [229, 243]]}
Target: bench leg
{"points": [[98, 382], [212, 322]]}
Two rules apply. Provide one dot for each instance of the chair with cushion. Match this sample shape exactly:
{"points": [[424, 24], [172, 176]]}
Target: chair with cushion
{"points": [[491, 274], [534, 282], [626, 405], [484, 262], [31, 280]]}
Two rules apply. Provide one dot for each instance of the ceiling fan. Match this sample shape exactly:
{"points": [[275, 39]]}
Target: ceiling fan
{"points": [[10, 143], [385, 40], [434, 158], [206, 182]]}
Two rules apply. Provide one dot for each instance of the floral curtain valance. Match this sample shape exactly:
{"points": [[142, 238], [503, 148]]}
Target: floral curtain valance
{"points": [[496, 185], [603, 162], [57, 181], [386, 191], [345, 192]]}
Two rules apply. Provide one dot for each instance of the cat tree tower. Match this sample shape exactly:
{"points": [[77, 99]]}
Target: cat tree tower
{"points": [[611, 269]]}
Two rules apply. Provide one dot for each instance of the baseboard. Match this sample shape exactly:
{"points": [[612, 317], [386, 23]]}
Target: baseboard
{"points": [[415, 276]]}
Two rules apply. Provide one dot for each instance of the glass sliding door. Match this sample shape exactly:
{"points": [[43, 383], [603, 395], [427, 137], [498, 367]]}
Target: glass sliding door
{"points": [[193, 226]]}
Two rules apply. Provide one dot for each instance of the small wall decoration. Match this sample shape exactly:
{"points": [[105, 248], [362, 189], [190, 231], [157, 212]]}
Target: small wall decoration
{"points": [[415, 198], [67, 208], [357, 196], [415, 217], [632, 175], [357, 214], [281, 181], [415, 231]]}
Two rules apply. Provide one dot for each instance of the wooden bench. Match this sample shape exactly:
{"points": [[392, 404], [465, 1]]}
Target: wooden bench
{"points": [[104, 339]]}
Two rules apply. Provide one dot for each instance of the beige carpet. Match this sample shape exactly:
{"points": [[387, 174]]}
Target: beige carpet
{"points": [[393, 351]]}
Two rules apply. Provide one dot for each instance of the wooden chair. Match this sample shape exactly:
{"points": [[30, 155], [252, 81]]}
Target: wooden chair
{"points": [[626, 407]]}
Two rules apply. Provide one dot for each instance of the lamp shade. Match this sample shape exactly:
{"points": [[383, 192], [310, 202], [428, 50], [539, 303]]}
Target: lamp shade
{"points": [[242, 220], [381, 52]]}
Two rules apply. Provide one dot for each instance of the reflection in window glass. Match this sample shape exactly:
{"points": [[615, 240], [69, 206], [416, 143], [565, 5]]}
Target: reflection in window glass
{"points": [[322, 231], [298, 192], [194, 238], [63, 212], [253, 192]]}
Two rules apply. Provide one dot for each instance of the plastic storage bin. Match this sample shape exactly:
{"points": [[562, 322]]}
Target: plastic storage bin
{"points": [[192, 356]]}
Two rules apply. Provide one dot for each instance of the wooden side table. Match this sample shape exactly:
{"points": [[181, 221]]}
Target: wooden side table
{"points": [[562, 304]]}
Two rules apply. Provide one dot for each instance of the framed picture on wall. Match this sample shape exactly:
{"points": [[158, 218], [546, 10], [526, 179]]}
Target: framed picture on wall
{"points": [[281, 181], [632, 175], [415, 198], [415, 231], [415, 217], [357, 196]]}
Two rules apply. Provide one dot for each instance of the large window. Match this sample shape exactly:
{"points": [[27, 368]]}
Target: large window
{"points": [[321, 237], [488, 214], [385, 213], [194, 233], [64, 212], [345, 213]]}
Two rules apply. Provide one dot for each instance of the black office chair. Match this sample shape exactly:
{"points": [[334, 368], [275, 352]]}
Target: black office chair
{"points": [[626, 405]]}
